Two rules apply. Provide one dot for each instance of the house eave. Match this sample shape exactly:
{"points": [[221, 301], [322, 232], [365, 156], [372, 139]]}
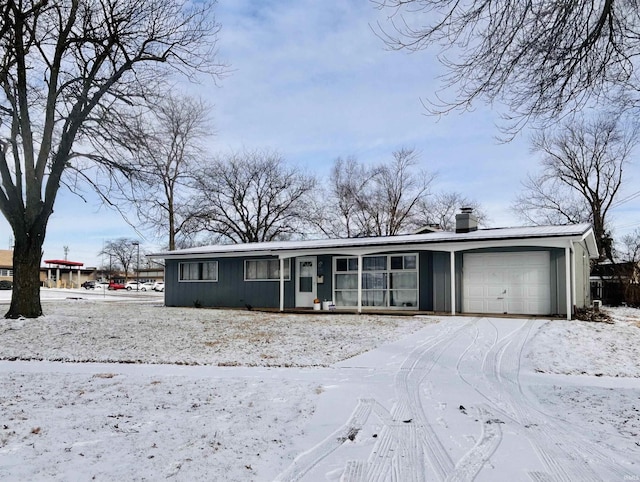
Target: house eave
{"points": [[447, 242]]}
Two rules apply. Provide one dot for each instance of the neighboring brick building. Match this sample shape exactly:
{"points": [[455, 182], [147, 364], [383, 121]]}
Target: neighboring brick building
{"points": [[6, 264]]}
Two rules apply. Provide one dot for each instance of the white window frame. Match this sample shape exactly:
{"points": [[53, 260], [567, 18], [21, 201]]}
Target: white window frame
{"points": [[287, 269], [199, 280], [389, 271]]}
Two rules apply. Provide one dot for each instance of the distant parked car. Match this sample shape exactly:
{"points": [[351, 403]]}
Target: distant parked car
{"points": [[158, 286], [116, 286], [102, 285], [6, 285], [146, 286], [132, 285], [89, 285]]}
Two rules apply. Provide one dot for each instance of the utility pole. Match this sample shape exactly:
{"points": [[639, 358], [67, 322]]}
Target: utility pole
{"points": [[137, 244]]}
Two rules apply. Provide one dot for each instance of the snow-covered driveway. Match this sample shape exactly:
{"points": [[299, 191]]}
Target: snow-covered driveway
{"points": [[457, 404]]}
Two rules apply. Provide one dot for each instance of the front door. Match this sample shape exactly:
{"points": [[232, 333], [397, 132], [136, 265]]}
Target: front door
{"points": [[306, 282]]}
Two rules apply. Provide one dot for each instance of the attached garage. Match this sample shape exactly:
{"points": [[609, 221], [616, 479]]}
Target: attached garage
{"points": [[511, 282]]}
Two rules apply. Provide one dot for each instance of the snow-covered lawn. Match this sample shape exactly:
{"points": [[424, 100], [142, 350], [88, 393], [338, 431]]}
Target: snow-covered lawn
{"points": [[84, 330], [235, 395]]}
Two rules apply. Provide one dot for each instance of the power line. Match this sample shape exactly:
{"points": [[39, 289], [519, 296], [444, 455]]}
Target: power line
{"points": [[626, 199]]}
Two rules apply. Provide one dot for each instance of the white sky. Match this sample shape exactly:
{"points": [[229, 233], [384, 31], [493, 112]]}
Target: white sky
{"points": [[312, 81]]}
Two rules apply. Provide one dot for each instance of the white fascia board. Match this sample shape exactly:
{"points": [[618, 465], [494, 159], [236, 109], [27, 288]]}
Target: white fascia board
{"points": [[557, 242], [370, 246], [590, 242]]}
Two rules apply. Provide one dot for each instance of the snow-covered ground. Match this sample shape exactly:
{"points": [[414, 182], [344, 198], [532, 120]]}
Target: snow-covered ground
{"points": [[202, 394]]}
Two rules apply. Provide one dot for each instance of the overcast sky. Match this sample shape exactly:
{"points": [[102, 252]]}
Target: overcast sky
{"points": [[311, 80]]}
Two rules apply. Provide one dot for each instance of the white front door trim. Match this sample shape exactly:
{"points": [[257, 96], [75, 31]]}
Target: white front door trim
{"points": [[306, 281]]}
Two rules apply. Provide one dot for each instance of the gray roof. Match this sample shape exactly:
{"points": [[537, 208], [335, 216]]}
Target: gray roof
{"points": [[576, 232]]}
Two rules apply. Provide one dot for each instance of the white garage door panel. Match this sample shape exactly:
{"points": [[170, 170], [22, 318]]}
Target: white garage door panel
{"points": [[517, 283]]}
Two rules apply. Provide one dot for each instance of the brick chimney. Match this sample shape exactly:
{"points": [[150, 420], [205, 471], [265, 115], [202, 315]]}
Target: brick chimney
{"points": [[466, 221]]}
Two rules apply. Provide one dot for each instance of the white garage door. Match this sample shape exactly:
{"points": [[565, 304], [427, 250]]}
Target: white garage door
{"points": [[516, 283]]}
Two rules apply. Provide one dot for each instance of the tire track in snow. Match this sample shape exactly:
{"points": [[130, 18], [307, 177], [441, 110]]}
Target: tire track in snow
{"points": [[306, 461], [554, 445], [471, 463], [406, 441], [427, 447], [412, 373]]}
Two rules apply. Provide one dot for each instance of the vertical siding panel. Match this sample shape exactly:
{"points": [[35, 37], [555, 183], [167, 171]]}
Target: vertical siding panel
{"points": [[425, 281], [441, 282], [231, 290]]}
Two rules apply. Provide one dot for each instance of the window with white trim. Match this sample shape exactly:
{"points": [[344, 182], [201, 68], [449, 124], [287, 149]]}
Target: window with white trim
{"points": [[388, 281], [198, 271], [6, 272], [265, 270]]}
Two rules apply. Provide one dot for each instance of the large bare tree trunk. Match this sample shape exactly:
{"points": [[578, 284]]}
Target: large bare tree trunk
{"points": [[27, 253]]}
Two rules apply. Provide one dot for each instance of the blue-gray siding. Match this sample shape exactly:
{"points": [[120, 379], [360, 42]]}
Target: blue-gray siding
{"points": [[231, 290], [434, 281]]}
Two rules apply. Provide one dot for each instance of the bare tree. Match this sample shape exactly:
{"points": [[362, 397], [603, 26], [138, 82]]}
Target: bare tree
{"points": [[440, 210], [169, 148], [378, 200], [630, 256], [122, 252], [340, 210], [582, 172], [541, 58], [253, 196], [70, 72], [629, 250], [398, 189]]}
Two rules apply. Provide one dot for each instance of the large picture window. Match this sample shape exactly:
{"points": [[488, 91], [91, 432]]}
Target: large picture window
{"points": [[388, 281], [265, 270], [199, 271]]}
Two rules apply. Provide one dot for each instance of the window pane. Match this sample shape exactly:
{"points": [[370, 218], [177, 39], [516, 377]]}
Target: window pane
{"points": [[353, 264], [404, 280], [185, 271], [262, 270], [306, 268], [410, 262], [376, 281], [374, 263], [347, 281], [265, 269], [406, 298], [374, 298], [274, 269], [396, 262], [250, 269], [210, 271], [341, 264], [346, 298], [306, 284]]}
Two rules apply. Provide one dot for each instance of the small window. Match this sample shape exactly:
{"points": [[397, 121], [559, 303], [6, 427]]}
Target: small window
{"points": [[374, 263], [199, 271], [403, 262], [346, 264], [265, 270]]}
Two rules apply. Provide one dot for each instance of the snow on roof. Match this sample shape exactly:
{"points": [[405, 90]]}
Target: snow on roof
{"points": [[574, 230]]}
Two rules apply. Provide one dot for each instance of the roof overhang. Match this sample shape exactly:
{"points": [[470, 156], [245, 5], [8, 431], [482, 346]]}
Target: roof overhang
{"points": [[538, 236], [63, 262]]}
